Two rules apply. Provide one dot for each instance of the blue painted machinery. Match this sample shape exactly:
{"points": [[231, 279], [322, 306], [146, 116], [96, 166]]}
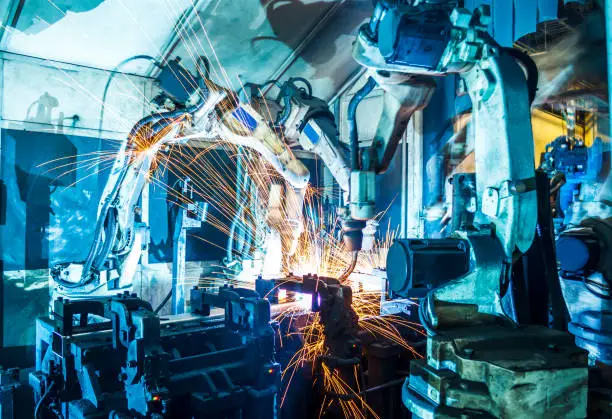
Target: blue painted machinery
{"points": [[571, 164], [115, 357]]}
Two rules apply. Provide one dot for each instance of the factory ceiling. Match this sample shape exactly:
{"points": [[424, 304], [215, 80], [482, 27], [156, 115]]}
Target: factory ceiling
{"points": [[246, 41]]}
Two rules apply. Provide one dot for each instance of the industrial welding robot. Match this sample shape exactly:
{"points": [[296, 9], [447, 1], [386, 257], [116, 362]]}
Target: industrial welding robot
{"points": [[478, 362], [193, 363]]}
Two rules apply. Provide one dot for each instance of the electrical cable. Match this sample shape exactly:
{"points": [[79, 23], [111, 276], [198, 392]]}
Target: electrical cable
{"points": [[109, 241], [284, 115], [292, 80], [238, 207], [42, 399], [114, 72], [270, 82]]}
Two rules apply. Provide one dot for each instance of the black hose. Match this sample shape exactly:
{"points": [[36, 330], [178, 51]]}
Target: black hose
{"points": [[383, 386], [155, 118], [287, 91], [292, 80], [531, 69], [352, 121]]}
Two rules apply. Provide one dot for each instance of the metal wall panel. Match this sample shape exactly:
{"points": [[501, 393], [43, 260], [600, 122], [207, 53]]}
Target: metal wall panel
{"points": [[503, 22], [45, 93], [525, 17], [512, 19], [547, 10]]}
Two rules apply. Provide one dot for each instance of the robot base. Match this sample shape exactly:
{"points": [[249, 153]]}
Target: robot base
{"points": [[499, 372]]}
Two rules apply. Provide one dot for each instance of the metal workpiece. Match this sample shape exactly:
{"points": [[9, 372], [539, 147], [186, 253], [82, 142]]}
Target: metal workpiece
{"points": [[244, 309], [332, 300], [499, 372], [119, 358]]}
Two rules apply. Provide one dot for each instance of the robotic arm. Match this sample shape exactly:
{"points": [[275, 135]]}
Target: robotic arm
{"points": [[306, 120], [415, 42], [118, 239]]}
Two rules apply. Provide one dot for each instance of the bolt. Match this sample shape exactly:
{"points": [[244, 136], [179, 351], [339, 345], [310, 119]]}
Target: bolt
{"points": [[468, 352]]}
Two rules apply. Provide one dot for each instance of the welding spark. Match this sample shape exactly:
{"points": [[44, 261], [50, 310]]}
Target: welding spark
{"points": [[240, 199]]}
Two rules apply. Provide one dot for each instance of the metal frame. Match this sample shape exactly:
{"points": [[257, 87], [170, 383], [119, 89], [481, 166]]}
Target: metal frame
{"points": [[412, 179]]}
